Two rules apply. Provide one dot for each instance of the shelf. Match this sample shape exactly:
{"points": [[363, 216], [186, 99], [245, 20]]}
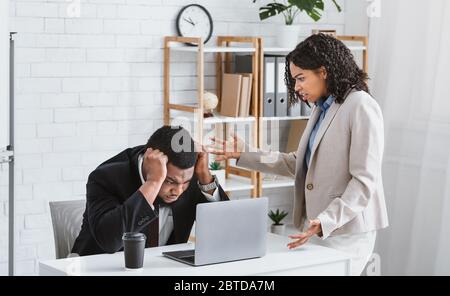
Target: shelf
{"points": [[183, 107], [236, 183], [285, 118], [285, 50], [226, 119], [214, 49], [278, 183], [223, 119], [277, 50], [357, 48]]}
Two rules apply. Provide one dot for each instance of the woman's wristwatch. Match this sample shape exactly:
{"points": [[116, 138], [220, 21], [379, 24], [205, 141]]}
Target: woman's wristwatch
{"points": [[207, 187]]}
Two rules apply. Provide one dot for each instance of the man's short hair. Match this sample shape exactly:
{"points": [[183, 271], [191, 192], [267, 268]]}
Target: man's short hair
{"points": [[176, 143]]}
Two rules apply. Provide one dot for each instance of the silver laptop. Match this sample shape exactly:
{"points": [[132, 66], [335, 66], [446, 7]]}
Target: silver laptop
{"points": [[227, 231]]}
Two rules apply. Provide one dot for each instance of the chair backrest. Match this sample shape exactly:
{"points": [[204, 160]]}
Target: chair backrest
{"points": [[67, 218]]}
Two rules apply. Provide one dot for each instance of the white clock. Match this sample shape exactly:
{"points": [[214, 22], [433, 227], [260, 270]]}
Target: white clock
{"points": [[194, 21]]}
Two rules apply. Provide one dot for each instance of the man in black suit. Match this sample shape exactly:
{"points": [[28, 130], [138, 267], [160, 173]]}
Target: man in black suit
{"points": [[152, 189]]}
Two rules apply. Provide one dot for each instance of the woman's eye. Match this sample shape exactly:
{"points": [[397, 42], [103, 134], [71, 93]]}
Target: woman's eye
{"points": [[301, 79]]}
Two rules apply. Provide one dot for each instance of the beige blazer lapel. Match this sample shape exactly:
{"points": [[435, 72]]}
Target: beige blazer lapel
{"points": [[324, 126], [305, 137], [326, 123]]}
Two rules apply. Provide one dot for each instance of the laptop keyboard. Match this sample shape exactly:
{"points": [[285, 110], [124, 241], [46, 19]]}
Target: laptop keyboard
{"points": [[190, 259], [187, 255]]}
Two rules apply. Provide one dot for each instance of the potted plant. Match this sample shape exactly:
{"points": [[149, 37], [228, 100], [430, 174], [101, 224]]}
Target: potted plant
{"points": [[216, 169], [277, 227], [288, 33]]}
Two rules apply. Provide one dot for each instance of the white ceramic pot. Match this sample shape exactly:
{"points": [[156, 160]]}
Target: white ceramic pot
{"points": [[288, 36], [278, 229], [220, 174]]}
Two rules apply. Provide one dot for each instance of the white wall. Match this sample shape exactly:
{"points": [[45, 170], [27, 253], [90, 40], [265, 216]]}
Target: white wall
{"points": [[4, 136], [356, 19], [4, 73], [88, 87]]}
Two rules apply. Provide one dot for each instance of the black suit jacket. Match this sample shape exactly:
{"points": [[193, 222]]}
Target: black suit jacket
{"points": [[114, 205]]}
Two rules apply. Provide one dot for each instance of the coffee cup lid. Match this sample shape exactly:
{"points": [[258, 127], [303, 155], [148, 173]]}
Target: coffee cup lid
{"points": [[136, 236]]}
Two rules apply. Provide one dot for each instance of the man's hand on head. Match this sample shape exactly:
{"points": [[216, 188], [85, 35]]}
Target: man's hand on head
{"points": [[202, 166], [155, 172], [155, 165]]}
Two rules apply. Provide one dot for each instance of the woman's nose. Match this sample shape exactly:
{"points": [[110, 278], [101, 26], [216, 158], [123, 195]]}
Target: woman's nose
{"points": [[298, 86]]}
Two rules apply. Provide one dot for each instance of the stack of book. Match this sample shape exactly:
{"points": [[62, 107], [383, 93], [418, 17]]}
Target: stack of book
{"points": [[236, 94]]}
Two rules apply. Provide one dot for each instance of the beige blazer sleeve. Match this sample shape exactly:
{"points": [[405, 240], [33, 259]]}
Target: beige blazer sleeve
{"points": [[365, 159], [276, 163]]}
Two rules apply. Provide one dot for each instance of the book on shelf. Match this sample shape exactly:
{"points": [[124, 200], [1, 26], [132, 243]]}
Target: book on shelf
{"points": [[236, 94], [231, 94], [246, 95]]}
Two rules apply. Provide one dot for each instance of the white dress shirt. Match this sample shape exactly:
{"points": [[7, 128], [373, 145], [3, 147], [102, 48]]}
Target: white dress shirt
{"points": [[165, 212]]}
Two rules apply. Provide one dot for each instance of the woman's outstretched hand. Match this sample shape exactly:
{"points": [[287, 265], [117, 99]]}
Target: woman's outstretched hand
{"points": [[314, 228], [229, 149]]}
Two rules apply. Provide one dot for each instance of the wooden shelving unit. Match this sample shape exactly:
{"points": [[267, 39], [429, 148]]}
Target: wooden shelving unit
{"points": [[237, 178]]}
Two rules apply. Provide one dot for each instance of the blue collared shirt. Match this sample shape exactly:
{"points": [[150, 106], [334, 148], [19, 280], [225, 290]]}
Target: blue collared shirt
{"points": [[323, 105]]}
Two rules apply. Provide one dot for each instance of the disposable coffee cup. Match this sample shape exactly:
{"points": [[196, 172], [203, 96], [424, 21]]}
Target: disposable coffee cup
{"points": [[133, 247]]}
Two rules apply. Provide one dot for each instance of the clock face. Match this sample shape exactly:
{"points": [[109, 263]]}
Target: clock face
{"points": [[195, 21]]}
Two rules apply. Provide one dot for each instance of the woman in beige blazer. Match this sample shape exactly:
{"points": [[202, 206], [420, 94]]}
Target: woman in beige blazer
{"points": [[337, 167]]}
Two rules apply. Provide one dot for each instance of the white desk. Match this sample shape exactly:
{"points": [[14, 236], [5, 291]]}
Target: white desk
{"points": [[279, 260]]}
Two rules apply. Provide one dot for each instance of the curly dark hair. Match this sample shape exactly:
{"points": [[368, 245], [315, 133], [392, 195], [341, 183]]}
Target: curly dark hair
{"points": [[322, 50], [176, 143]]}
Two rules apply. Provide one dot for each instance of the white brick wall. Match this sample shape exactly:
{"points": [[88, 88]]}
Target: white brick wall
{"points": [[38, 9], [88, 87]]}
